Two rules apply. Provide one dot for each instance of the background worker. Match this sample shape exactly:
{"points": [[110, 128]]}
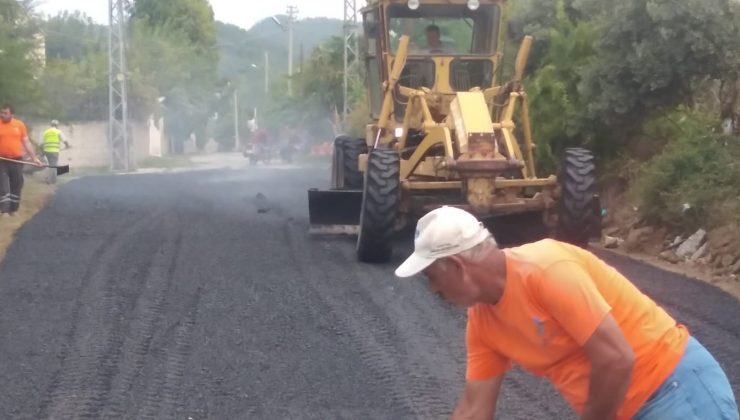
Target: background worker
{"points": [[560, 312], [13, 143], [53, 140]]}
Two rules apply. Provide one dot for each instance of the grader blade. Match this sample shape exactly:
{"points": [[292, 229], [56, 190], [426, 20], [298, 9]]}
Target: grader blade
{"points": [[334, 212]]}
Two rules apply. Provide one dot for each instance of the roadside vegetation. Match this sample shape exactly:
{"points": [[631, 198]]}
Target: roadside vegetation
{"points": [[649, 86]]}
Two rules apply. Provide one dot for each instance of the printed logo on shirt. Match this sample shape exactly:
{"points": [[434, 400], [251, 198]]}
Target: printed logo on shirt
{"points": [[545, 335], [540, 325]]}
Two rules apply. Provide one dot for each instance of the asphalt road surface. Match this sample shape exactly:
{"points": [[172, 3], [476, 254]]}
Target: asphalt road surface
{"points": [[171, 297]]}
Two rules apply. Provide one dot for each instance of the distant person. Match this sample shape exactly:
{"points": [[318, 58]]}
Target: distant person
{"points": [[53, 140], [560, 312], [434, 41], [13, 143]]}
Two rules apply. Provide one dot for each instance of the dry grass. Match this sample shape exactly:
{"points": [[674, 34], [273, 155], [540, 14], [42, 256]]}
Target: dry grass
{"points": [[35, 196]]}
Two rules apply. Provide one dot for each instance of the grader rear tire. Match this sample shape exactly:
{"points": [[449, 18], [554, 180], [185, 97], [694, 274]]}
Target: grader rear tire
{"points": [[577, 217], [348, 153], [380, 203]]}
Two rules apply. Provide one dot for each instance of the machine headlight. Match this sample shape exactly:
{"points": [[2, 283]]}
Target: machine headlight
{"points": [[413, 4], [473, 4], [399, 132]]}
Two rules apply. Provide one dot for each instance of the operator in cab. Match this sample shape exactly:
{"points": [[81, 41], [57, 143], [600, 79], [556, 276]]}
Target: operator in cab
{"points": [[435, 45]]}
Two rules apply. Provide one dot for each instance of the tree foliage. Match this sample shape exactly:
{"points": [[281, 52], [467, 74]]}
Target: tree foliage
{"points": [[601, 69], [653, 52], [693, 183], [75, 79], [192, 19], [173, 64], [319, 93], [556, 101], [19, 61]]}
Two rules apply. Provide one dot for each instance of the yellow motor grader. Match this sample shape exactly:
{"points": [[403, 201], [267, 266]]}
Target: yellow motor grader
{"points": [[444, 132]]}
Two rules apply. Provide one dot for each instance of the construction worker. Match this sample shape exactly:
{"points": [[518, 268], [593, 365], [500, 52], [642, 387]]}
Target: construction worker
{"points": [[434, 41], [53, 140], [560, 312], [14, 142]]}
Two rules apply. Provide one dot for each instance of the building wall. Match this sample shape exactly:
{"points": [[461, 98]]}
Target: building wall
{"points": [[89, 141]]}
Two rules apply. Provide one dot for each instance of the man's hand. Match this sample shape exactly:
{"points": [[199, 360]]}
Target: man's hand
{"points": [[479, 400], [612, 363], [31, 152]]}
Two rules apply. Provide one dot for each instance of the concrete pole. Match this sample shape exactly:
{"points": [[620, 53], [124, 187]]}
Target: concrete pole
{"points": [[267, 73], [236, 120], [292, 15], [290, 57]]}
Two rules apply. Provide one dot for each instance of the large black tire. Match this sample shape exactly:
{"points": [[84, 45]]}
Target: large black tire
{"points": [[578, 216], [348, 154], [381, 200]]}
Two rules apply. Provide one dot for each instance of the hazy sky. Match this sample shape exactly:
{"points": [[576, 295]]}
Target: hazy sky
{"points": [[243, 13]]}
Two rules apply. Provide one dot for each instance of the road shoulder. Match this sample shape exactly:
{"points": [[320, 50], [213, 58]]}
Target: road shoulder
{"points": [[36, 194], [729, 285]]}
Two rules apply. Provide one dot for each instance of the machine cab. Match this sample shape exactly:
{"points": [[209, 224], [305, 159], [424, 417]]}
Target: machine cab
{"points": [[453, 46]]}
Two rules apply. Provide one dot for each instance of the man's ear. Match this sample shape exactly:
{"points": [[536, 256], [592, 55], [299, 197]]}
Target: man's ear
{"points": [[455, 263]]}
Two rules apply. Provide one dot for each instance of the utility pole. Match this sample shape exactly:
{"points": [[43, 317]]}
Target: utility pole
{"points": [[292, 17], [351, 51], [267, 73], [118, 130], [236, 119]]}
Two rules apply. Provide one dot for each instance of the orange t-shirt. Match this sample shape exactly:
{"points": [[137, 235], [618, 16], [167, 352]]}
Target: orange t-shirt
{"points": [[556, 295], [11, 139]]}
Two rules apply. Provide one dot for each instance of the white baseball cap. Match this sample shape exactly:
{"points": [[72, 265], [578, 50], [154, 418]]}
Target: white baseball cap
{"points": [[444, 232]]}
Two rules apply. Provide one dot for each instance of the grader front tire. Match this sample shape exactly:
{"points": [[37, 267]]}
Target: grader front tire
{"points": [[380, 203]]}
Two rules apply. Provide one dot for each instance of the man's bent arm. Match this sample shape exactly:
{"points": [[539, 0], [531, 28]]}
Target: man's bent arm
{"points": [[478, 400], [612, 363]]}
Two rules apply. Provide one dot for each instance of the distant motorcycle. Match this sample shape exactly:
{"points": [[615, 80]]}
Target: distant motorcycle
{"points": [[255, 153]]}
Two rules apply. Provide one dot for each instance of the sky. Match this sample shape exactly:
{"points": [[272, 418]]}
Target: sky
{"points": [[244, 13]]}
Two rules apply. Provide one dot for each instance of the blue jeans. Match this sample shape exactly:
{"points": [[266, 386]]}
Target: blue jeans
{"points": [[698, 389]]}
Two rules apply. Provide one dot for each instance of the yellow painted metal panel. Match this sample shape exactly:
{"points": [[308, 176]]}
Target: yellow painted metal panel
{"points": [[470, 116]]}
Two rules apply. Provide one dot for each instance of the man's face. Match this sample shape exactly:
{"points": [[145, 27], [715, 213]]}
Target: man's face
{"points": [[6, 115], [448, 279], [433, 38]]}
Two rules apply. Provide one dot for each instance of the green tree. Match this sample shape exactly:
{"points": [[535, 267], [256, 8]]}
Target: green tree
{"points": [[192, 18], [556, 103], [72, 36], [173, 64], [19, 61], [75, 79], [319, 93], [653, 52]]}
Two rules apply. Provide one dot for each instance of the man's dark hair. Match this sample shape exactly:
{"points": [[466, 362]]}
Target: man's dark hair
{"points": [[433, 28], [8, 107]]}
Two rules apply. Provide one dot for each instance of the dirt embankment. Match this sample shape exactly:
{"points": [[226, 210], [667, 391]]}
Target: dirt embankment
{"points": [[712, 255]]}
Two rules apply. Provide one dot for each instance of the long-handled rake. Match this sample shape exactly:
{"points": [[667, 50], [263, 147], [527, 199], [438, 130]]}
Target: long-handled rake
{"points": [[61, 170]]}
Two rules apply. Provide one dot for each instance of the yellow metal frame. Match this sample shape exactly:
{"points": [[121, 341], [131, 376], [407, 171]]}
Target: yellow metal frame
{"points": [[489, 192]]}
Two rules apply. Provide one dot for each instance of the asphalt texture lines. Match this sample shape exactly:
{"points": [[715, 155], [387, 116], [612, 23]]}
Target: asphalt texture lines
{"points": [[199, 295]]}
